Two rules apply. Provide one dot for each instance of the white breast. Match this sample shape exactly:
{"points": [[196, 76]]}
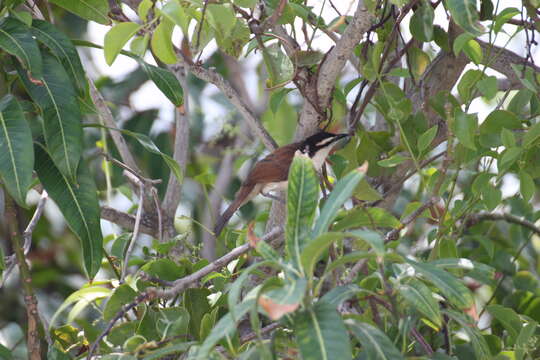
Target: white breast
{"points": [[320, 157]]}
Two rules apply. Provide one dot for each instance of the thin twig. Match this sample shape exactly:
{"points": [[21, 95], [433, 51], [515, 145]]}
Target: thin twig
{"points": [[264, 330], [135, 234]]}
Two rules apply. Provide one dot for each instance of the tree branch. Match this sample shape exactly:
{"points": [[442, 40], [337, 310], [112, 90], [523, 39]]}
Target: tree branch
{"points": [[474, 219], [180, 285], [180, 154], [127, 221], [337, 57]]}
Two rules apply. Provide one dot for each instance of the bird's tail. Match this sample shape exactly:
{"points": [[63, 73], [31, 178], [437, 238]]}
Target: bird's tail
{"points": [[241, 198]]}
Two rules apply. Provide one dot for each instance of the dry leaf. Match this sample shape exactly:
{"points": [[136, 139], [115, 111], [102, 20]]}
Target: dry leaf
{"points": [[274, 310], [253, 240]]}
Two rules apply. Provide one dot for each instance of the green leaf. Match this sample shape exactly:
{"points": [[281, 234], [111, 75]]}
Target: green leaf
{"points": [[77, 202], [161, 42], [375, 343], [366, 217], [85, 295], [245, 3], [421, 24], [149, 145], [420, 297], [509, 157], [374, 239], [481, 348], [61, 115], [280, 68], [164, 269], [277, 98], [315, 248], [144, 8], [481, 272], [117, 37], [121, 296], [456, 293], [465, 127], [392, 161], [224, 327], [166, 82], [62, 47], [5, 353], [341, 193], [221, 18], [233, 44], [488, 87], [531, 135], [16, 39], [503, 17], [302, 199], [467, 84], [175, 13], [526, 340], [493, 124], [508, 318], [526, 185], [427, 138], [508, 139], [16, 155], [167, 350], [339, 294], [95, 10], [492, 196], [465, 15], [321, 334]]}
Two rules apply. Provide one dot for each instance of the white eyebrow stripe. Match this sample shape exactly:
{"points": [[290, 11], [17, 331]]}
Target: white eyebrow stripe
{"points": [[324, 141]]}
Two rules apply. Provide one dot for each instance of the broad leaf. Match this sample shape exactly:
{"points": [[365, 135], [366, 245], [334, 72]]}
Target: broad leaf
{"points": [[366, 217], [87, 294], [421, 24], [78, 203], [280, 68], [175, 13], [341, 193], [341, 293], [494, 123], [465, 127], [321, 333], [116, 38], [61, 115], [161, 42], [315, 248], [62, 47], [16, 39], [375, 343], [166, 82], [508, 318], [464, 13], [481, 348], [221, 18], [302, 198], [95, 10], [16, 157]]}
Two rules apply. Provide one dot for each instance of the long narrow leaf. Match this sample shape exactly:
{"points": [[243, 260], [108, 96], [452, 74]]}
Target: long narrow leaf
{"points": [[341, 193], [61, 114], [62, 47], [78, 203], [16, 157], [375, 343], [16, 39], [321, 333]]}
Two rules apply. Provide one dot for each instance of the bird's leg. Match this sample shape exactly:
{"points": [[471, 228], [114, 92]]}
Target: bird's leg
{"points": [[273, 197]]}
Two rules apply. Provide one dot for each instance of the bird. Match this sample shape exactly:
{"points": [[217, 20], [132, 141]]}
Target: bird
{"points": [[271, 173]]}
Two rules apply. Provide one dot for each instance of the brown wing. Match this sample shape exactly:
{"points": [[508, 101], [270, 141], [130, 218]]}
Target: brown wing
{"points": [[274, 167]]}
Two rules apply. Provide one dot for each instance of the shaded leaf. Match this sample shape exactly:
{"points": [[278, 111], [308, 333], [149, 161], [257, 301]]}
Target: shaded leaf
{"points": [[321, 333], [464, 13], [61, 115], [375, 343], [16, 156], [366, 217], [16, 39], [62, 47], [95, 10], [421, 298], [166, 82], [77, 202]]}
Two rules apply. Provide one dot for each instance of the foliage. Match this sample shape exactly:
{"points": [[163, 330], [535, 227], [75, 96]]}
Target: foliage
{"points": [[415, 249]]}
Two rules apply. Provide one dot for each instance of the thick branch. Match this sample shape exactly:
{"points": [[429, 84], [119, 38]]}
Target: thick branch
{"points": [[501, 59], [180, 154], [340, 54], [127, 221], [476, 218]]}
